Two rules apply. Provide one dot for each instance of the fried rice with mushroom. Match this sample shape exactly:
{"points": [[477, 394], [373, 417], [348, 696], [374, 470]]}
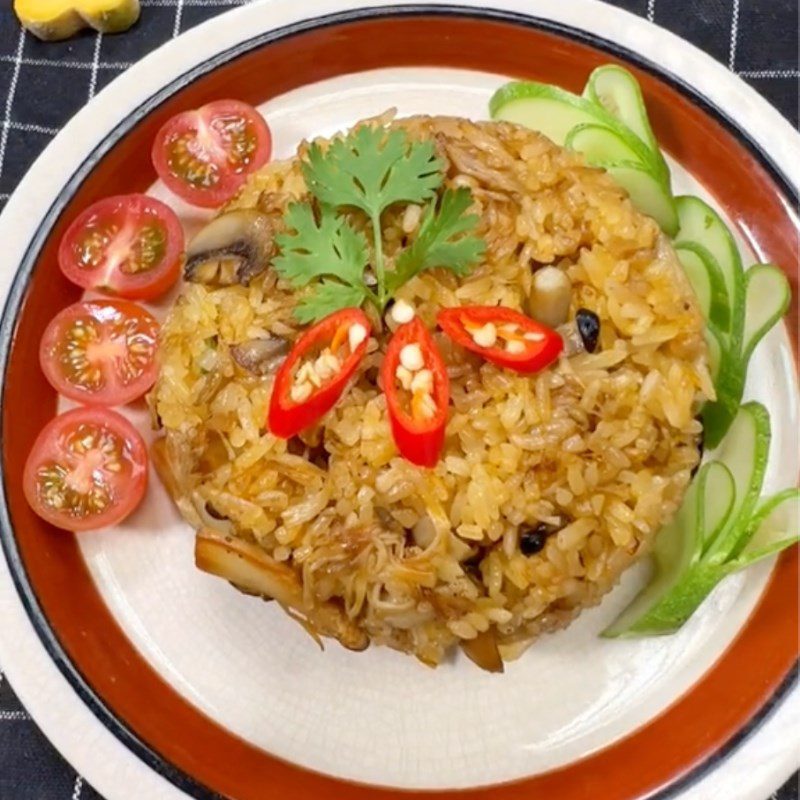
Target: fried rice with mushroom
{"points": [[549, 485]]}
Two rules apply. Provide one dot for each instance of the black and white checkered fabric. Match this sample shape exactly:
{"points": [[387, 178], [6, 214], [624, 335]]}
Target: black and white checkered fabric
{"points": [[43, 84]]}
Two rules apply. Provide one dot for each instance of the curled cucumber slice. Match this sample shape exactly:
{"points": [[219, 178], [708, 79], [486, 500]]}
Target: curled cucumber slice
{"points": [[719, 414], [715, 341], [744, 452], [618, 92], [708, 282], [706, 505], [600, 145], [700, 225], [774, 526], [676, 548], [647, 193], [605, 148], [767, 298], [555, 112], [718, 498]]}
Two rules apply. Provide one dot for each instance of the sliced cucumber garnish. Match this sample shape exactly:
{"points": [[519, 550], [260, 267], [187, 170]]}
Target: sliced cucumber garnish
{"points": [[600, 145], [700, 224], [605, 148], [555, 112], [719, 529], [647, 194], [706, 506], [718, 499], [720, 413], [548, 109], [708, 282], [773, 527], [767, 298], [744, 452], [715, 342], [616, 90], [676, 547]]}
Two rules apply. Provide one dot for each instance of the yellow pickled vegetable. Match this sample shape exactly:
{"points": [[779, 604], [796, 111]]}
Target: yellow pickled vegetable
{"points": [[59, 19]]}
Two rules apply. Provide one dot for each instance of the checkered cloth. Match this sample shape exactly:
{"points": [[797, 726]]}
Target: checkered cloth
{"points": [[43, 84]]}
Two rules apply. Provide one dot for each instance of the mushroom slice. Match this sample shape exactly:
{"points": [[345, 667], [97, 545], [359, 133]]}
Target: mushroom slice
{"points": [[252, 571], [233, 248], [261, 356], [483, 651]]}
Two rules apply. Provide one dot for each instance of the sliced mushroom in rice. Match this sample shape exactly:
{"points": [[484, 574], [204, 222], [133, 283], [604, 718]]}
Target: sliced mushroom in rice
{"points": [[261, 356], [252, 571], [482, 650], [233, 248]]}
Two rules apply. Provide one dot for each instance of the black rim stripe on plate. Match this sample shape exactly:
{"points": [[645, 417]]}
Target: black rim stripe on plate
{"points": [[19, 287]]}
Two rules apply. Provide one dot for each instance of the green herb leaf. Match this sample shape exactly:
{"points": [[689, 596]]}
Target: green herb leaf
{"points": [[439, 242], [325, 298], [330, 247], [371, 169]]}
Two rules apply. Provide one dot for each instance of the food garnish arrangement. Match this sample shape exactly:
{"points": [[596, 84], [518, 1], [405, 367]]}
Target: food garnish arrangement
{"points": [[431, 383]]}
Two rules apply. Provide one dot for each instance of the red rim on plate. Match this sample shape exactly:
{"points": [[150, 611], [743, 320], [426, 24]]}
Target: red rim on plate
{"points": [[176, 739]]}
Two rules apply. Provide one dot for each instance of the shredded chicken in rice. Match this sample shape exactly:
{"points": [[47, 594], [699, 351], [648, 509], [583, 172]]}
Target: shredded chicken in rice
{"points": [[549, 485]]}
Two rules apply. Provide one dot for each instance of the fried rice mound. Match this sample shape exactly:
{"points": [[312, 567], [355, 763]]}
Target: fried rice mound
{"points": [[596, 451]]}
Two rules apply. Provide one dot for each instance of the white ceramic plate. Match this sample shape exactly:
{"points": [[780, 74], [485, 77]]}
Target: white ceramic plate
{"points": [[378, 717]]}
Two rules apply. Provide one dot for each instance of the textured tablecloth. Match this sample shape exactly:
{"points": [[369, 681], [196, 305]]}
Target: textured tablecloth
{"points": [[43, 84]]}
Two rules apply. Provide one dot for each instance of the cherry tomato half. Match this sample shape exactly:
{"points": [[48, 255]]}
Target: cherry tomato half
{"points": [[129, 245], [87, 470], [204, 156], [316, 371], [417, 411], [100, 352], [503, 336]]}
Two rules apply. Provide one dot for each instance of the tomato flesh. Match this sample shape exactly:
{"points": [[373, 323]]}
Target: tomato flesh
{"points": [[100, 352], [205, 155], [287, 415], [520, 343], [418, 437], [87, 470], [128, 245]]}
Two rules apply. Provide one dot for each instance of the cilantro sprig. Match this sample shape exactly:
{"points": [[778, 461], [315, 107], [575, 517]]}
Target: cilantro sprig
{"points": [[371, 169]]}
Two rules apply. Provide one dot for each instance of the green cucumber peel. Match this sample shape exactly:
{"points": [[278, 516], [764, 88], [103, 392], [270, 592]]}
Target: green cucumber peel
{"points": [[676, 548], [708, 282], [676, 554], [646, 193], [744, 452], [718, 415], [767, 298], [719, 529], [700, 225], [715, 342], [617, 91], [767, 295], [717, 496], [603, 147], [774, 526], [555, 112]]}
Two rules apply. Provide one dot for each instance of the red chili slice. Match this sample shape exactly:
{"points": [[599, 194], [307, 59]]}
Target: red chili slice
{"points": [[520, 343], [419, 435], [297, 401]]}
